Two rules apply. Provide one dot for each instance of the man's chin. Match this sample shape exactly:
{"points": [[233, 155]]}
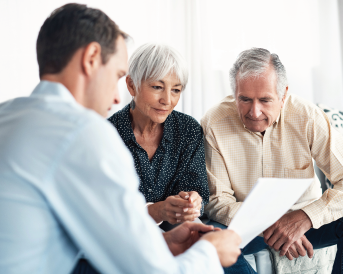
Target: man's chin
{"points": [[256, 128]]}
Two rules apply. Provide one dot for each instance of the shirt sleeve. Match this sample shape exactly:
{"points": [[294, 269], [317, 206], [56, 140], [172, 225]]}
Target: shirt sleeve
{"points": [[191, 174], [92, 188], [326, 145], [222, 205]]}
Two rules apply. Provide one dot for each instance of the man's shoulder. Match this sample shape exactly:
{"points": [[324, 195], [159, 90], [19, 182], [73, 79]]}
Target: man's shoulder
{"points": [[300, 107], [226, 108]]}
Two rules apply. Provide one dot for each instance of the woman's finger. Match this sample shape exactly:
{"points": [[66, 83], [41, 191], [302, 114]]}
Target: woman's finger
{"points": [[193, 196], [179, 202], [184, 195]]}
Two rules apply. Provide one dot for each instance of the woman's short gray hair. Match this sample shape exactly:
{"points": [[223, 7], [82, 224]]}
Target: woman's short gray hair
{"points": [[255, 61], [154, 61]]}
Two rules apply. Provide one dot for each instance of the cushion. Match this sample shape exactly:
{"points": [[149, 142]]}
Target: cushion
{"points": [[335, 116], [321, 263]]}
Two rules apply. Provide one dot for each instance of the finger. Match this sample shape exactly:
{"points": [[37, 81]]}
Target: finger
{"points": [[279, 243], [184, 195], [289, 256], [197, 203], [174, 209], [308, 246], [276, 240], [179, 202], [300, 248], [237, 238], [188, 211], [293, 251], [268, 233], [286, 245], [193, 196], [200, 227], [172, 220]]}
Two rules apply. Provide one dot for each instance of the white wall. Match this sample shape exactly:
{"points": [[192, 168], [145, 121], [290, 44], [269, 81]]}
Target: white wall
{"points": [[208, 33]]}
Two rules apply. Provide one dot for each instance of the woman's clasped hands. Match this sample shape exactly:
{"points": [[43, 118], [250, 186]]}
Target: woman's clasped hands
{"points": [[179, 208]]}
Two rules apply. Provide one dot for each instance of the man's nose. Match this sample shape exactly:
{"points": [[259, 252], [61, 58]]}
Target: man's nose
{"points": [[116, 99], [255, 110]]}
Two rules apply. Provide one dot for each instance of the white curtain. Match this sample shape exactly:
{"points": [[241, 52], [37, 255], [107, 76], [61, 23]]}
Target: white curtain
{"points": [[208, 33]]}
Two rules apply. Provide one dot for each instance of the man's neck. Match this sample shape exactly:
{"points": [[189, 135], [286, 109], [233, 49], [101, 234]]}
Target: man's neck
{"points": [[75, 86]]}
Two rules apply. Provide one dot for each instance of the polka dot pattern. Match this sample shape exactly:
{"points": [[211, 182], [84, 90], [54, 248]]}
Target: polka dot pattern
{"points": [[179, 161]]}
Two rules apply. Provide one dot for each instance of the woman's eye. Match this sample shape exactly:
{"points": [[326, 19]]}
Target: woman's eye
{"points": [[156, 87], [176, 90]]}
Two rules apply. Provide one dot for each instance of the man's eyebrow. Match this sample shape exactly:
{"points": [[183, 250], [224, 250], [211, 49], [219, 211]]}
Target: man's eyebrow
{"points": [[241, 97], [266, 98]]}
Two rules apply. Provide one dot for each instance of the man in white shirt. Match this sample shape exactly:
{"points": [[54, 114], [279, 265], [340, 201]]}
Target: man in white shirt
{"points": [[67, 181]]}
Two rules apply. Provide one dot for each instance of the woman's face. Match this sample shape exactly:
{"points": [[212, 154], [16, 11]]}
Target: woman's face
{"points": [[157, 99]]}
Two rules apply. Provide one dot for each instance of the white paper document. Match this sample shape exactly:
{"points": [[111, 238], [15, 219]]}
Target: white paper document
{"points": [[269, 199]]}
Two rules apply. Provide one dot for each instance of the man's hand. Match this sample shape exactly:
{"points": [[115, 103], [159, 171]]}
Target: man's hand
{"points": [[227, 244], [184, 236], [299, 248], [287, 230], [173, 210]]}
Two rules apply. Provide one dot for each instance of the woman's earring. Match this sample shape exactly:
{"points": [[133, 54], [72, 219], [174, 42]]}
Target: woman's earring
{"points": [[132, 104]]}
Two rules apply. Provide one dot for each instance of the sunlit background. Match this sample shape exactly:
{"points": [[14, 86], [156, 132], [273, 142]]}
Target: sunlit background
{"points": [[306, 34]]}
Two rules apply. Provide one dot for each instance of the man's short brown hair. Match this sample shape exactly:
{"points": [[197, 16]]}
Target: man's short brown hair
{"points": [[69, 28]]}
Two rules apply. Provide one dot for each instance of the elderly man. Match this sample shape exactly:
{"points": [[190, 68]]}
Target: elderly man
{"points": [[262, 131], [67, 181]]}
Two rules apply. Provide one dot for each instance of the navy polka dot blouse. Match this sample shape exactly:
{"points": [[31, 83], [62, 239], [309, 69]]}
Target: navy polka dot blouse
{"points": [[179, 161]]}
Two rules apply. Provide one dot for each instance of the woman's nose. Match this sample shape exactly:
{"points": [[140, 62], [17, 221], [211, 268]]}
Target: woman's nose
{"points": [[166, 97]]}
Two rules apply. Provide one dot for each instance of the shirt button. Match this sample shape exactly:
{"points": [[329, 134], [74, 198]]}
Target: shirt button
{"points": [[150, 190]]}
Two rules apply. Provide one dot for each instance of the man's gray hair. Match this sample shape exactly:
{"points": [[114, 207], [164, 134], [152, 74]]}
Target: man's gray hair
{"points": [[154, 61], [255, 61]]}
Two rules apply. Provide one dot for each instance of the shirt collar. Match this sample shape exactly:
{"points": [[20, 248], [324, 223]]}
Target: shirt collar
{"points": [[53, 88], [126, 126]]}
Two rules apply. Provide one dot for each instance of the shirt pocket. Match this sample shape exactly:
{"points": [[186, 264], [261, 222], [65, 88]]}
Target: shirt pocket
{"points": [[307, 172]]}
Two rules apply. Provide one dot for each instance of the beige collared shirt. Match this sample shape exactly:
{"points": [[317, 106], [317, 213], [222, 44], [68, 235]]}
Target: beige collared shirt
{"points": [[236, 158]]}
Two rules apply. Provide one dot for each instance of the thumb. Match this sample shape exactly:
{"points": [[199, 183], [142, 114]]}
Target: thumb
{"points": [[184, 195]]}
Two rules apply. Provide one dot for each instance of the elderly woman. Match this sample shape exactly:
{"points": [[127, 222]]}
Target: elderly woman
{"points": [[167, 146]]}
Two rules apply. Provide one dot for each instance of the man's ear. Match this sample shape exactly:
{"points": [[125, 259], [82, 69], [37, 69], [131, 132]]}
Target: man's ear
{"points": [[284, 97], [91, 59], [130, 86]]}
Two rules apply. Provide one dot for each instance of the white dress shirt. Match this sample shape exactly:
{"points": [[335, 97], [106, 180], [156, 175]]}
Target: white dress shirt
{"points": [[68, 183]]}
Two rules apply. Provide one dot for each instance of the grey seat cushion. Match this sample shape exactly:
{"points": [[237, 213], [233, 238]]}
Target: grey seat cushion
{"points": [[321, 263]]}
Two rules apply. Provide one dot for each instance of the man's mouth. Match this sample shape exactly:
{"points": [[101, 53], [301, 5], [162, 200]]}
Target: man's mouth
{"points": [[255, 120]]}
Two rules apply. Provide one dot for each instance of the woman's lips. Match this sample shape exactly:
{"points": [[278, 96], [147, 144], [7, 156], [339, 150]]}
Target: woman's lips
{"points": [[162, 111]]}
